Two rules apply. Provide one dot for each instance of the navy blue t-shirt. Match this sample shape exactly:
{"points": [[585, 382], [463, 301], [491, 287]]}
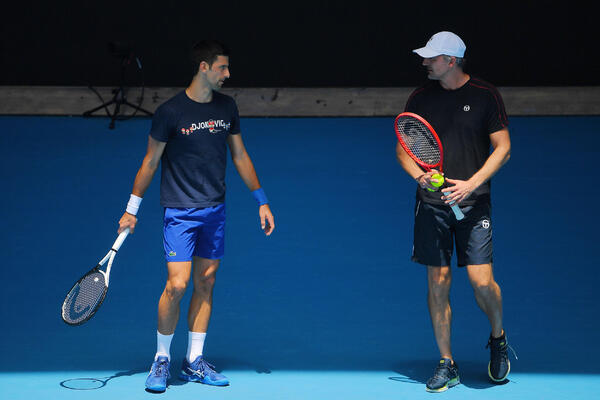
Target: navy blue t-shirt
{"points": [[195, 157]]}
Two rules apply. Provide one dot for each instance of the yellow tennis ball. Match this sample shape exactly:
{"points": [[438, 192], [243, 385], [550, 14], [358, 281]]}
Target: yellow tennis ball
{"points": [[440, 181]]}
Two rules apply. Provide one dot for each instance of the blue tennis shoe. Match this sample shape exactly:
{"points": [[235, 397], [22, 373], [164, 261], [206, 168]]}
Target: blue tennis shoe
{"points": [[201, 371], [159, 373]]}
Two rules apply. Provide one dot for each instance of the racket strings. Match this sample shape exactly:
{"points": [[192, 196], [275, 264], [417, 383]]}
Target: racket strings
{"points": [[419, 140], [83, 299]]}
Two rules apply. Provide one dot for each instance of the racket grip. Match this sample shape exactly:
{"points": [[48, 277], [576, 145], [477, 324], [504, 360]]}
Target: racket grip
{"points": [[120, 239], [457, 212]]}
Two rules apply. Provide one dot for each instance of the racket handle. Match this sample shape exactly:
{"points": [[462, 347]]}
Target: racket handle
{"points": [[120, 240], [457, 212]]}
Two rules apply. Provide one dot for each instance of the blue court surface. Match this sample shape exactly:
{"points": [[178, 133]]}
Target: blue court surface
{"points": [[330, 306]]}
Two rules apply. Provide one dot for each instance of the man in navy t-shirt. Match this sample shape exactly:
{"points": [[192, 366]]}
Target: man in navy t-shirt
{"points": [[468, 115], [189, 136]]}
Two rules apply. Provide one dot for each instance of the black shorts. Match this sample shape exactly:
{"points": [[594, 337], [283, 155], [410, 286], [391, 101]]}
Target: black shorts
{"points": [[436, 231]]}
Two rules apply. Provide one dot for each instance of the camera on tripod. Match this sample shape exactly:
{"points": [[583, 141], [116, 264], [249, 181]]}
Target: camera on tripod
{"points": [[124, 51]]}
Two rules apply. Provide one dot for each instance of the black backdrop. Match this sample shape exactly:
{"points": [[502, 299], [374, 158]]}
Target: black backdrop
{"points": [[298, 44]]}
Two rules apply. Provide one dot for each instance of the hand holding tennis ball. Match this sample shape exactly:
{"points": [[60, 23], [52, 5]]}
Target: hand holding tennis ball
{"points": [[439, 183]]}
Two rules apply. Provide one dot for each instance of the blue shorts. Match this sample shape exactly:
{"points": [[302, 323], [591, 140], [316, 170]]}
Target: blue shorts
{"points": [[437, 233], [194, 232]]}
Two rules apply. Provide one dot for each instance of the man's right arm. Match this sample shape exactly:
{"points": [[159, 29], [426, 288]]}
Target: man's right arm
{"points": [[143, 179]]}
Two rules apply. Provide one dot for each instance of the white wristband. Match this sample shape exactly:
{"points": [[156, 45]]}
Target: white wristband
{"points": [[134, 204]]}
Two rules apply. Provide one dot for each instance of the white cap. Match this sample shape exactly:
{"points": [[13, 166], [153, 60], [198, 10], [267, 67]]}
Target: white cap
{"points": [[446, 43]]}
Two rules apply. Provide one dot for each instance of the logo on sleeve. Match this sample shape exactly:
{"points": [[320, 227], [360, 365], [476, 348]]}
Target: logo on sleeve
{"points": [[210, 126]]}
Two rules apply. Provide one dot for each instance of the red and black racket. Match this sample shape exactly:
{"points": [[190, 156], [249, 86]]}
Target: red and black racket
{"points": [[420, 141]]}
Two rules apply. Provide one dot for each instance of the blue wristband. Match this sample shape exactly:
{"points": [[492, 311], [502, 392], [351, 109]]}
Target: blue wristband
{"points": [[260, 196]]}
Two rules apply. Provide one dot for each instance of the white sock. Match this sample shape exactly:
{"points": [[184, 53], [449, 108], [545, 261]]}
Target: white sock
{"points": [[195, 345], [163, 345]]}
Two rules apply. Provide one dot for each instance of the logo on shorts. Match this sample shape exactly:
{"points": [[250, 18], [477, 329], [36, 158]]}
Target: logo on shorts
{"points": [[467, 108], [485, 224], [172, 253]]}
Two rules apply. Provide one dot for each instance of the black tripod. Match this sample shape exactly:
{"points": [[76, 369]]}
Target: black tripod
{"points": [[119, 96]]}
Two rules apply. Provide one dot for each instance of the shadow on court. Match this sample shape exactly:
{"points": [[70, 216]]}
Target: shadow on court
{"points": [[332, 289], [95, 383]]}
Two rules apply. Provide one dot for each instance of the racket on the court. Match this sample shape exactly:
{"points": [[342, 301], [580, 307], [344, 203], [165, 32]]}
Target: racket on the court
{"points": [[87, 294], [422, 144]]}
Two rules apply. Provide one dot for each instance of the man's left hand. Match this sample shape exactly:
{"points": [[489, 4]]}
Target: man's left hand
{"points": [[457, 191], [267, 222]]}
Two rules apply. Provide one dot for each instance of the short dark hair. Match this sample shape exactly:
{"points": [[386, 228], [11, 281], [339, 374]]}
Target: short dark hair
{"points": [[207, 51]]}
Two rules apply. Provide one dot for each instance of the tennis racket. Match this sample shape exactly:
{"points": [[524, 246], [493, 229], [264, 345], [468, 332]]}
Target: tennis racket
{"points": [[87, 294], [422, 144]]}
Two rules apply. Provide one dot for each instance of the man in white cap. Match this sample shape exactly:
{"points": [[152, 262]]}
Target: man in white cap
{"points": [[469, 116]]}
